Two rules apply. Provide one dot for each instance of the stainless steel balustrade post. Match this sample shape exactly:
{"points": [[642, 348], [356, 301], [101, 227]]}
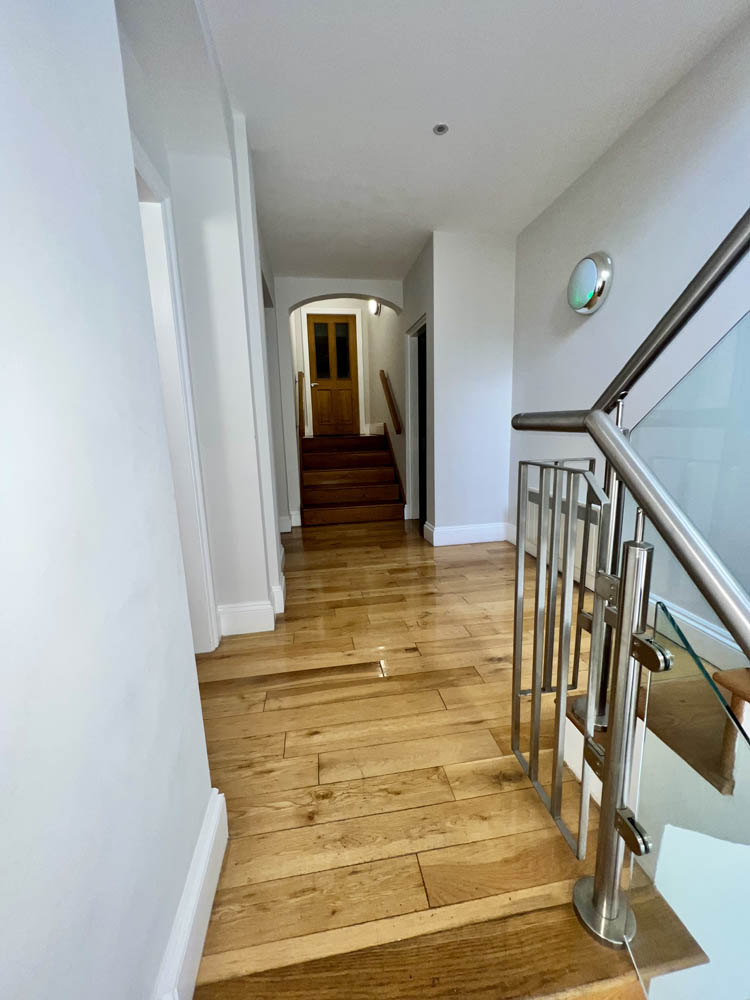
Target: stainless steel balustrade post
{"points": [[599, 902], [616, 495]]}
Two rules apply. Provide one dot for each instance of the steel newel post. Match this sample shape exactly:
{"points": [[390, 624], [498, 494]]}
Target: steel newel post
{"points": [[599, 901]]}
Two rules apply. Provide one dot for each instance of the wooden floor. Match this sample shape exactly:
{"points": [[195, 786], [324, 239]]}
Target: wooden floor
{"points": [[383, 840]]}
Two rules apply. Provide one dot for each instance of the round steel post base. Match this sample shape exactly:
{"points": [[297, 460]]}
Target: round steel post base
{"points": [[614, 933]]}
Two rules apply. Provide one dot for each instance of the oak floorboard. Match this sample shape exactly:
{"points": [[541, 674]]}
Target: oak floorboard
{"points": [[320, 694], [263, 776], [344, 736], [505, 864], [340, 800], [308, 904], [372, 838], [299, 679], [412, 754], [361, 710]]}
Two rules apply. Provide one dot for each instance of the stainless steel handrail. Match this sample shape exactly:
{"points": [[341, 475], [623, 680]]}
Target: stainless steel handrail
{"points": [[726, 256]]}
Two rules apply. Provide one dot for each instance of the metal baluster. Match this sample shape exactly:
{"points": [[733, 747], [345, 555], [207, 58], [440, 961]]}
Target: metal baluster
{"points": [[539, 622], [554, 549], [563, 651], [587, 518], [521, 518], [599, 901]]}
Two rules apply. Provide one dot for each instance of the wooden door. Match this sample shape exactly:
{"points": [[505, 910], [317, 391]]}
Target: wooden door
{"points": [[332, 341]]}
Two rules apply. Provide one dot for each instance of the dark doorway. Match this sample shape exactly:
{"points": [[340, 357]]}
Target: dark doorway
{"points": [[422, 433]]}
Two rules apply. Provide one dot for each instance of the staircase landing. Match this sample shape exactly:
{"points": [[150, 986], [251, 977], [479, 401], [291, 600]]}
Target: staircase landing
{"points": [[348, 479]]}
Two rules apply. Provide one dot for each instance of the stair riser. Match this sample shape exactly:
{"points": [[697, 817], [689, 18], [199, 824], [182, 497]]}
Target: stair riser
{"points": [[348, 515], [374, 442], [340, 477], [345, 460], [350, 494]]}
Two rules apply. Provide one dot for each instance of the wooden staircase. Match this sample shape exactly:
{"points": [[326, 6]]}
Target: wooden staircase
{"points": [[349, 479]]}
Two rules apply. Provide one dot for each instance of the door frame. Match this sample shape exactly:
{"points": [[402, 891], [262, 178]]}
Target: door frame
{"points": [[313, 309], [160, 190], [412, 418]]}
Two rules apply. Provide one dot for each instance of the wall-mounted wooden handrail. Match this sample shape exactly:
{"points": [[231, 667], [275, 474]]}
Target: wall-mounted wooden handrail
{"points": [[393, 409], [301, 402]]}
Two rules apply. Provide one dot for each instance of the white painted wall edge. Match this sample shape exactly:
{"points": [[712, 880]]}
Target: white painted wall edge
{"points": [[296, 517], [467, 534], [285, 524], [252, 616], [179, 967]]}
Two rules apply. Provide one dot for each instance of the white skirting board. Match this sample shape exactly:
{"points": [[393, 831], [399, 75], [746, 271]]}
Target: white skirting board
{"points": [[296, 519], [285, 523], [466, 534], [278, 593], [254, 616], [179, 967]]}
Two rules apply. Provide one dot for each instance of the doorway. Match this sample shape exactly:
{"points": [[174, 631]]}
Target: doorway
{"points": [[422, 424], [332, 345]]}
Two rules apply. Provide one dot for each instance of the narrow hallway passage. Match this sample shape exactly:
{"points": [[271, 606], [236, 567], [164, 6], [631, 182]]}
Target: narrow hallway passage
{"points": [[374, 803]]}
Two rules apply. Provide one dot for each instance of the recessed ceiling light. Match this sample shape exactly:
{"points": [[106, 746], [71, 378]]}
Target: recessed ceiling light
{"points": [[440, 129]]}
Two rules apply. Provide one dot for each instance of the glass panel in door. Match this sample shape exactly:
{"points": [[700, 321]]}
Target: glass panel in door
{"points": [[343, 361], [322, 357]]}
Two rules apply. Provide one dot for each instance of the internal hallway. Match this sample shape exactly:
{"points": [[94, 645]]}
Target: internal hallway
{"points": [[377, 817]]}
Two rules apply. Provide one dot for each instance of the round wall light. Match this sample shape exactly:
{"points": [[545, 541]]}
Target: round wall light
{"points": [[440, 129], [374, 307], [590, 282]]}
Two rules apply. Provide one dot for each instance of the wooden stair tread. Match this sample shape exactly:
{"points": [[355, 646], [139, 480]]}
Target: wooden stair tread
{"points": [[354, 503], [539, 954], [341, 493], [343, 442], [362, 476]]}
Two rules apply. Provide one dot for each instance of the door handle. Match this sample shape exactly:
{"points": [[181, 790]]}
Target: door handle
{"points": [[313, 384]]}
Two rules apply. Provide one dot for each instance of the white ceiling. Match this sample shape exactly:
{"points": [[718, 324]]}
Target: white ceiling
{"points": [[341, 96]]}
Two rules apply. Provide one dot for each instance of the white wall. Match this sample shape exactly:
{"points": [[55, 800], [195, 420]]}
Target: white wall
{"points": [[659, 201], [253, 286], [288, 293], [208, 245], [105, 783], [473, 363], [176, 386]]}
